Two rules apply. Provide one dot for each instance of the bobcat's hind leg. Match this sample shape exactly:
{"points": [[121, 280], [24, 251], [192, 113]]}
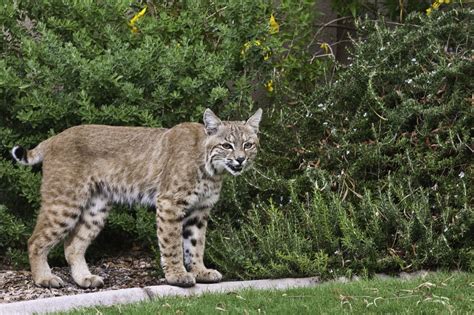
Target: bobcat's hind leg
{"points": [[54, 222], [89, 226]]}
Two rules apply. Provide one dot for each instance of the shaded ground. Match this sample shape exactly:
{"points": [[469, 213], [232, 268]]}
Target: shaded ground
{"points": [[118, 273]]}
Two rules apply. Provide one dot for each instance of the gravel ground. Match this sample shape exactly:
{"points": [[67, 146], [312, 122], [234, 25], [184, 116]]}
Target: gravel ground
{"points": [[118, 273]]}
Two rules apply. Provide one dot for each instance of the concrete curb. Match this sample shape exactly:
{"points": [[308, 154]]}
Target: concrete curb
{"points": [[106, 298]]}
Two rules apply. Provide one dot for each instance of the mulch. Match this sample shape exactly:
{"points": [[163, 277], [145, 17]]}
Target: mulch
{"points": [[117, 272]]}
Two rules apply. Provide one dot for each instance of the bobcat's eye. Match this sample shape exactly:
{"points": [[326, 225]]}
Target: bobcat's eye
{"points": [[227, 146], [248, 145]]}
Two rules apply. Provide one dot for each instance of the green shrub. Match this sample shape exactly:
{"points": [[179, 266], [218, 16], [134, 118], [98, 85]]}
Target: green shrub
{"points": [[69, 63], [373, 170], [321, 235], [401, 112]]}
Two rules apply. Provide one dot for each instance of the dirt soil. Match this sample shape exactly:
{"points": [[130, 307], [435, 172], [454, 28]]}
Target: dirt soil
{"points": [[118, 273]]}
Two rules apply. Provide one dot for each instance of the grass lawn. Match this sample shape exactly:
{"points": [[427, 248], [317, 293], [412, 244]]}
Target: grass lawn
{"points": [[439, 293]]}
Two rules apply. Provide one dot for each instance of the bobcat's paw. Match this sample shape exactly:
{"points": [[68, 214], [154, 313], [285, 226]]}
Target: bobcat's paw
{"points": [[91, 282], [208, 276], [184, 280], [51, 281]]}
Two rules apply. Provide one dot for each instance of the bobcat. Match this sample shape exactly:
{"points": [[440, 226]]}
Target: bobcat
{"points": [[178, 170]]}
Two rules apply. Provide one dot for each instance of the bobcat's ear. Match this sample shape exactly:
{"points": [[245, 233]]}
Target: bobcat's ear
{"points": [[254, 121], [211, 122]]}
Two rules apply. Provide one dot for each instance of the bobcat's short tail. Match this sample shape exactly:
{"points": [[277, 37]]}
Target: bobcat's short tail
{"points": [[28, 157]]}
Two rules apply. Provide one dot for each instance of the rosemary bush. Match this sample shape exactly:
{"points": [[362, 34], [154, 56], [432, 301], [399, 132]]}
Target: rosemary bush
{"points": [[373, 170]]}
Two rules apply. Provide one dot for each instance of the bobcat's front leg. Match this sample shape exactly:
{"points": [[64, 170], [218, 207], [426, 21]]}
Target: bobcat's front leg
{"points": [[169, 215], [194, 240]]}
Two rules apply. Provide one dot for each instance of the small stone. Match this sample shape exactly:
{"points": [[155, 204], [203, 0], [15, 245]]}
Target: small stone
{"points": [[382, 276], [342, 280]]}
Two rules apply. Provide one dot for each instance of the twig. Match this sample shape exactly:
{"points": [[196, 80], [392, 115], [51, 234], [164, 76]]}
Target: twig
{"points": [[218, 11], [324, 26], [379, 116], [330, 48], [337, 26], [394, 23], [320, 56]]}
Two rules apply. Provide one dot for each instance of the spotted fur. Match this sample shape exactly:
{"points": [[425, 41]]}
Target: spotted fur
{"points": [[178, 170]]}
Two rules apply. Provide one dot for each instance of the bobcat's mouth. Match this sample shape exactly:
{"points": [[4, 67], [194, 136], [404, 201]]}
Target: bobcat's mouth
{"points": [[235, 170]]}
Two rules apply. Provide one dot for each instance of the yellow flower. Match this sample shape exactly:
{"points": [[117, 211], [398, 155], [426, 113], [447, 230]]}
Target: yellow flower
{"points": [[269, 86], [249, 44], [436, 5], [267, 53], [274, 26], [325, 46], [135, 18], [246, 47]]}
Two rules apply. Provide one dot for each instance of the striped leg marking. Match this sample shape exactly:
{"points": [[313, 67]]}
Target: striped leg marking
{"points": [[89, 226], [169, 216], [194, 240]]}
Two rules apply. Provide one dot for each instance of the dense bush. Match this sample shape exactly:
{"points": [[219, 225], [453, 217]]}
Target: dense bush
{"points": [[368, 171], [376, 170], [69, 63], [396, 10]]}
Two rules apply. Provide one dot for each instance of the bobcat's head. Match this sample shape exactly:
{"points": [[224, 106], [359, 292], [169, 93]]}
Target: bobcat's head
{"points": [[230, 145]]}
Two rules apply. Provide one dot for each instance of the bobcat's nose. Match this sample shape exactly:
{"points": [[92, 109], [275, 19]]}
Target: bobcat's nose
{"points": [[240, 159]]}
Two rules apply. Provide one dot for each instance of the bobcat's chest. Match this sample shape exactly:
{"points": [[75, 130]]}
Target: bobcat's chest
{"points": [[205, 194]]}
